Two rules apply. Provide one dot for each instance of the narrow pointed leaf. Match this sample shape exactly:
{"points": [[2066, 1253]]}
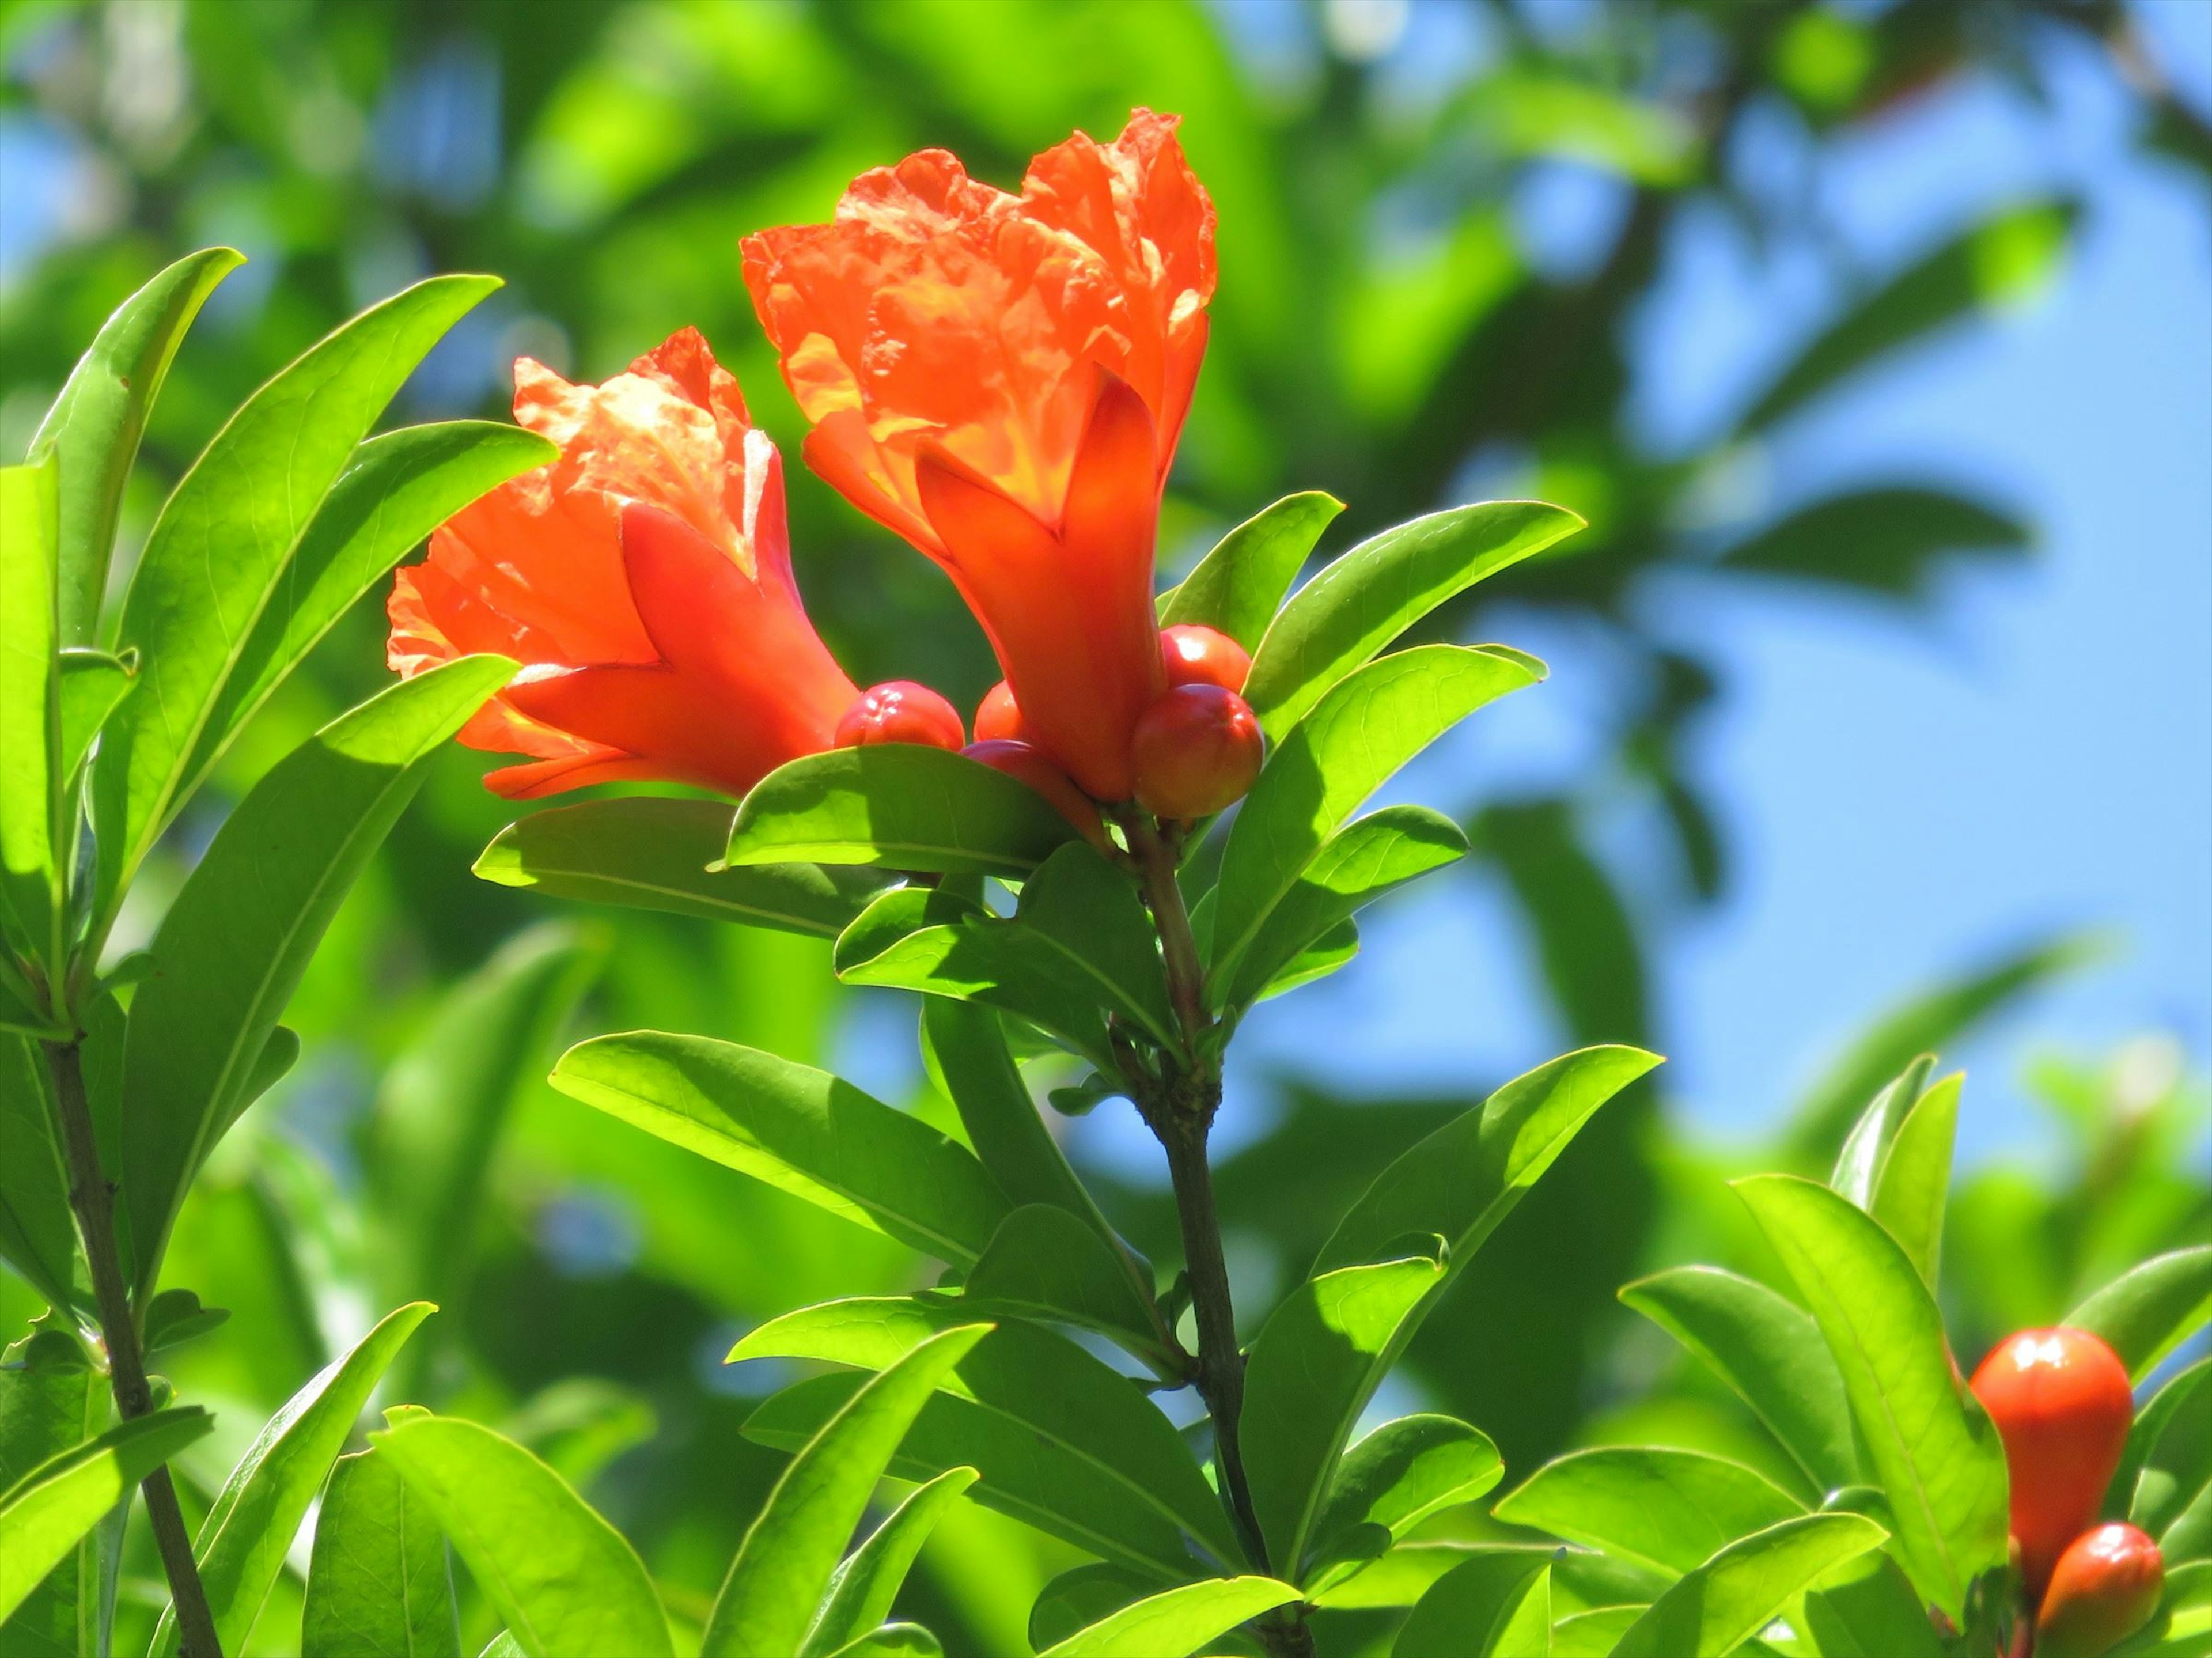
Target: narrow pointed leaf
{"points": [[1714, 1609], [2145, 1314], [1664, 1509], [379, 1585], [38, 1233], [1238, 587], [775, 1585], [1178, 1623], [1858, 1165], [864, 1587], [1913, 1193], [235, 942], [798, 1129], [561, 1577], [32, 845]]}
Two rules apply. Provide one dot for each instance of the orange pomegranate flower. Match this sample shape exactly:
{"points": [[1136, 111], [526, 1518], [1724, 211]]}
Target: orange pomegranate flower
{"points": [[1001, 379], [643, 577]]}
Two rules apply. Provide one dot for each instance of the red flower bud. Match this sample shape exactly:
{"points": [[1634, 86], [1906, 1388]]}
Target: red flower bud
{"points": [[2061, 1401], [900, 711], [1202, 656], [2104, 1589], [999, 719], [1194, 751], [1034, 767]]}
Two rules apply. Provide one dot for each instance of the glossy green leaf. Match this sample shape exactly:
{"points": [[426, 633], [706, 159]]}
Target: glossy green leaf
{"points": [[1875, 1614], [1362, 601], [175, 1316], [899, 805], [223, 548], [1459, 1182], [1858, 1164], [1913, 1194], [893, 1641], [2182, 1627], [802, 1130], [95, 425], [1770, 1351], [379, 1585], [1713, 1610], [243, 1543], [1593, 1634], [2151, 1419], [1929, 1444], [1310, 1372], [2145, 1314], [1494, 1605], [1364, 729], [92, 683], [2170, 1493], [564, 1579], [236, 941], [1395, 1477], [1335, 949], [1238, 587], [34, 843], [651, 852], [51, 1400], [46, 1511], [1177, 1622], [1361, 862], [862, 1589], [1665, 1508], [1062, 1441], [775, 1586], [1045, 1262], [397, 489], [1079, 1597], [38, 1233], [1888, 540]]}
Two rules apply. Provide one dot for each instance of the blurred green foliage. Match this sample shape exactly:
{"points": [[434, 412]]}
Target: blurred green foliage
{"points": [[1383, 330]]}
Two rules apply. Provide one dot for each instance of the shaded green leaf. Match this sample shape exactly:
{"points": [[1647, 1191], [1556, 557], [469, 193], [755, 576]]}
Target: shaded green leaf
{"points": [[1493, 1604], [1586, 940], [1661, 1508], [236, 941], [562, 1578], [1361, 602], [1236, 588], [38, 1233], [2146, 1313], [802, 1130], [379, 1585], [2170, 1496], [93, 683], [1177, 1622], [1395, 1477], [863, 1589], [1079, 1597], [175, 1316], [1713, 1610], [51, 1400], [1884, 540], [651, 852], [1045, 1262], [1875, 1614]]}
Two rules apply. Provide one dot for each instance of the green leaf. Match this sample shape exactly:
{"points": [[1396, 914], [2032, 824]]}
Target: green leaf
{"points": [[1493, 1604], [1324, 956], [1079, 1597], [395, 491], [899, 805], [2182, 1625], [1858, 1165], [51, 1400], [379, 1585], [651, 852], [175, 1316], [1089, 912], [1713, 1610], [38, 1233], [1886, 541], [1398, 1476], [1593, 1634], [1236, 588], [1459, 1182], [1361, 602], [1770, 1351], [234, 946], [1045, 1262], [222, 547], [2170, 1494], [776, 1583], [1874, 1615], [95, 425], [2145, 1314], [800, 1130], [1585, 936], [863, 1589], [1312, 1370], [894, 1641], [2143, 1435], [1062, 1441], [1990, 263], [1361, 862], [44, 1513], [1665, 1508], [34, 845], [243, 1543], [1914, 1190], [1177, 1622], [92, 683], [564, 1579], [1927, 1441], [1364, 729]]}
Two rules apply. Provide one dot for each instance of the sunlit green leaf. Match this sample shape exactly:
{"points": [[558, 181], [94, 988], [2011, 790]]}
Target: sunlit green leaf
{"points": [[1493, 1604], [2146, 1313], [2182, 1627], [1045, 1262], [1715, 1609], [1858, 1164], [1914, 1191], [1872, 1615], [38, 1233], [1177, 1622], [2170, 1494], [1394, 1478], [1238, 587], [93, 683], [51, 1400], [893, 1641], [1593, 1634], [862, 1589], [1669, 1510], [34, 847], [378, 1585]]}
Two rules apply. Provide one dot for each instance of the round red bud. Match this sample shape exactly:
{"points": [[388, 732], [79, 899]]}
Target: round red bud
{"points": [[997, 718], [1031, 765], [2061, 1402], [1195, 751], [900, 711], [1203, 656], [2105, 1587]]}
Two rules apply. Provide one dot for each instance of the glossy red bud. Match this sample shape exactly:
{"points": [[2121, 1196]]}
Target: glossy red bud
{"points": [[2062, 1404], [1034, 767], [1195, 751], [2105, 1587], [1197, 655], [999, 719], [900, 711]]}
